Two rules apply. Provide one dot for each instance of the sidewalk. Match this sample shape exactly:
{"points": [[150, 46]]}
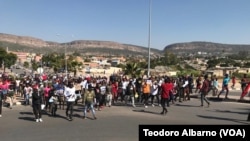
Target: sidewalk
{"points": [[232, 98]]}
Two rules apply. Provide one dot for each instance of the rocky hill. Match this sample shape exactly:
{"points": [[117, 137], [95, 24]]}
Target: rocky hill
{"points": [[92, 47], [85, 47], [208, 47]]}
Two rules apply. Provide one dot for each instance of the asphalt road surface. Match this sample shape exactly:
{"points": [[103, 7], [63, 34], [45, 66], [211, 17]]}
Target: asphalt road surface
{"points": [[116, 123]]}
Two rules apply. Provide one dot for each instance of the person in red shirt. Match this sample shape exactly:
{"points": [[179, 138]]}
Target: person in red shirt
{"points": [[46, 97], [44, 77], [198, 84], [1, 97], [166, 87], [233, 82], [4, 89], [243, 82], [114, 91], [204, 91]]}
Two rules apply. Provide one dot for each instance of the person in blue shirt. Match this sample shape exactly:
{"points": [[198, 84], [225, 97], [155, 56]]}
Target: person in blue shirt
{"points": [[225, 82], [60, 94]]}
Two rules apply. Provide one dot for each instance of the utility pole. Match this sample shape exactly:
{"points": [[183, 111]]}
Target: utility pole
{"points": [[149, 38]]}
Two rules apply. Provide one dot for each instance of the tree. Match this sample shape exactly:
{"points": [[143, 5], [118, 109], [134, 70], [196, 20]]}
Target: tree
{"points": [[54, 60], [212, 63], [132, 69], [75, 66], [247, 64], [10, 59], [26, 64], [170, 58], [7, 59], [34, 65]]}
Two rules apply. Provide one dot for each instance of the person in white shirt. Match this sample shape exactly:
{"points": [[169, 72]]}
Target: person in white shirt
{"points": [[84, 85], [18, 91], [70, 96], [27, 93], [124, 87], [186, 89], [155, 93]]}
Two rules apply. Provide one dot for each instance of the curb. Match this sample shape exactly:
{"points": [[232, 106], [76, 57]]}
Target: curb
{"points": [[212, 98]]}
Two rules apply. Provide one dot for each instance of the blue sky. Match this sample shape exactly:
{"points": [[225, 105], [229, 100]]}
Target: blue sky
{"points": [[127, 21]]}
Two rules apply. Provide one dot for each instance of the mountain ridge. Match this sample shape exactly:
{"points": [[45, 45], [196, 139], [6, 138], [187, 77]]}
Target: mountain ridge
{"points": [[32, 43], [95, 47], [203, 46]]}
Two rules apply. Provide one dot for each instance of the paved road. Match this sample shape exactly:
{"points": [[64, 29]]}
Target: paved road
{"points": [[234, 96], [118, 123]]}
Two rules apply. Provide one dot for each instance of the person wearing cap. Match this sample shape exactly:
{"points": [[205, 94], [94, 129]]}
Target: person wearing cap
{"points": [[88, 102]]}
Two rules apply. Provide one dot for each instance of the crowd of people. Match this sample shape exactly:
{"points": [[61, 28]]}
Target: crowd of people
{"points": [[49, 93]]}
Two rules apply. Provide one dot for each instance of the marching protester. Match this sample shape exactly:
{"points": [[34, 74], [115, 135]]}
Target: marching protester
{"points": [[138, 86], [190, 85], [114, 91], [88, 102], [155, 93], [4, 88], [172, 93], [10, 95], [18, 86], [166, 87], [103, 92], [243, 82], [225, 82], [46, 91], [145, 92], [215, 86], [233, 82], [70, 96], [180, 89], [60, 94], [109, 99], [185, 88], [53, 99], [27, 93], [130, 93], [36, 104], [204, 90], [245, 87], [78, 88], [1, 102], [198, 84]]}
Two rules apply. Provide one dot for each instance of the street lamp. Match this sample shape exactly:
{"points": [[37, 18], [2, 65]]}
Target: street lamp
{"points": [[149, 37], [65, 57]]}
